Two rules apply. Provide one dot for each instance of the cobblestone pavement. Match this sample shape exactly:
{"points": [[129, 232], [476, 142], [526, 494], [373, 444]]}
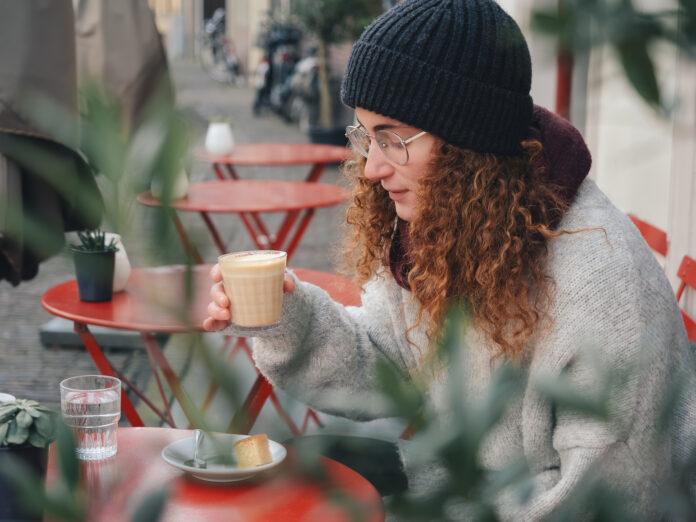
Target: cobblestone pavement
{"points": [[29, 369]]}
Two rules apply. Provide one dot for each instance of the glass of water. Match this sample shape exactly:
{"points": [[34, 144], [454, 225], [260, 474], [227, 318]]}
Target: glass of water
{"points": [[91, 406]]}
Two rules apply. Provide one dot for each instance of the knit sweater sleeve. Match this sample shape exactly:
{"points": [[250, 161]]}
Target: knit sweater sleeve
{"points": [[325, 354]]}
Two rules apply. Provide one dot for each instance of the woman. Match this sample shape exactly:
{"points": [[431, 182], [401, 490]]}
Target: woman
{"points": [[464, 191]]}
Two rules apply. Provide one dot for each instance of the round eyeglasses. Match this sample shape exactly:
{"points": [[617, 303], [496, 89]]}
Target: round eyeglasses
{"points": [[390, 143]]}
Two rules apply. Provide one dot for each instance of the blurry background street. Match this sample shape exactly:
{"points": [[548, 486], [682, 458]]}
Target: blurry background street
{"points": [[30, 369]]}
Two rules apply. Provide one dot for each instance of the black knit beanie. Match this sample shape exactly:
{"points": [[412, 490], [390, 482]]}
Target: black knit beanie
{"points": [[459, 69]]}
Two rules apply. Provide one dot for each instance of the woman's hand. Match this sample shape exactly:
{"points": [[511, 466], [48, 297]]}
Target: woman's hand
{"points": [[219, 306]]}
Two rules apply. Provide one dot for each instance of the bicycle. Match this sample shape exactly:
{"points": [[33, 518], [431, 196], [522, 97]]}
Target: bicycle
{"points": [[216, 52]]}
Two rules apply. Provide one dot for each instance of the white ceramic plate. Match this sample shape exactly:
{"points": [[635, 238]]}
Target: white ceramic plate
{"points": [[214, 445]]}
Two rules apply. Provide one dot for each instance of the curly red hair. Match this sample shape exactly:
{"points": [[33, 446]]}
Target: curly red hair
{"points": [[481, 232]]}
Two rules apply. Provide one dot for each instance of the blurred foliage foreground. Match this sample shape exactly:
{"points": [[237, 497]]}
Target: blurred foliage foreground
{"points": [[631, 33], [159, 148], [456, 445]]}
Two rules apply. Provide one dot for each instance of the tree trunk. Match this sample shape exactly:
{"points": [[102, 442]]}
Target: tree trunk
{"points": [[325, 116]]}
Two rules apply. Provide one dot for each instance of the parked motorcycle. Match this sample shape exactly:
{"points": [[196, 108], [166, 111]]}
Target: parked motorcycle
{"points": [[272, 79], [303, 97]]}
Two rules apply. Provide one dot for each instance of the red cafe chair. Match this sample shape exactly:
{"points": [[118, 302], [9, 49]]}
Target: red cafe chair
{"points": [[655, 237], [687, 274]]}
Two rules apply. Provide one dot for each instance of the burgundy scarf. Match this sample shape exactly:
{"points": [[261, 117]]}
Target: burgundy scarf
{"points": [[565, 157]]}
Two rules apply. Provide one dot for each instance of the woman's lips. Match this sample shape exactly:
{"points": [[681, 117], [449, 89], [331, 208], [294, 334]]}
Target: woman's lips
{"points": [[397, 195]]}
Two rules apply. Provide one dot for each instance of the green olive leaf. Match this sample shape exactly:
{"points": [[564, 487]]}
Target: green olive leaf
{"points": [[67, 460], [640, 70], [152, 506]]}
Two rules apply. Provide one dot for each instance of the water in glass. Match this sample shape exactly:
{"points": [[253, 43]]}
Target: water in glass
{"points": [[93, 415]]}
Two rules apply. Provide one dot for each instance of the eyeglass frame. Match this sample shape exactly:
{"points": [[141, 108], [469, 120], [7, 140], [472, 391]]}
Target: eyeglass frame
{"points": [[404, 142]]}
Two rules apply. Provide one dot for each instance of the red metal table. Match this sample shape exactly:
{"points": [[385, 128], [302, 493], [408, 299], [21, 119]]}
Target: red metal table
{"points": [[249, 199], [117, 485], [275, 155], [152, 302]]}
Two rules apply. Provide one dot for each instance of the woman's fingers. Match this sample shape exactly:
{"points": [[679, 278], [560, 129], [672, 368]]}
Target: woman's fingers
{"points": [[215, 273], [219, 306], [218, 313], [212, 325], [288, 282], [218, 295]]}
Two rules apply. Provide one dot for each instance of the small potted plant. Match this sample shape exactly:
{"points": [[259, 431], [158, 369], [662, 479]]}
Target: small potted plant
{"points": [[94, 261], [26, 429]]}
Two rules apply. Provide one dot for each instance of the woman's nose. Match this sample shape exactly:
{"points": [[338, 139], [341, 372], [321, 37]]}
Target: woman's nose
{"points": [[377, 166]]}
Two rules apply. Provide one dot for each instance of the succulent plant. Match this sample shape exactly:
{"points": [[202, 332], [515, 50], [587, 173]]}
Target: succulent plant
{"points": [[94, 241], [23, 421]]}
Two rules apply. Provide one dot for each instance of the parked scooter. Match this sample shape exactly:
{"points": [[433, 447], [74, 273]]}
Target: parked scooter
{"points": [[272, 79], [303, 98]]}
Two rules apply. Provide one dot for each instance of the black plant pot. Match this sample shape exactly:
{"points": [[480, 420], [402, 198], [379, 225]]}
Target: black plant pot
{"points": [[34, 459], [324, 136], [95, 275]]}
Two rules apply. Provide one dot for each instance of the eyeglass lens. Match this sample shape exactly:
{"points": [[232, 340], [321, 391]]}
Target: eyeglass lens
{"points": [[389, 143]]}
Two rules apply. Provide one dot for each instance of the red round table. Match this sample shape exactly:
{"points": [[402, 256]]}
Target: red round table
{"points": [[249, 198], [275, 154], [116, 486], [153, 301]]}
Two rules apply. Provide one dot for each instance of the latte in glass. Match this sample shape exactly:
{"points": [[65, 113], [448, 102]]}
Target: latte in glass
{"points": [[253, 282]]}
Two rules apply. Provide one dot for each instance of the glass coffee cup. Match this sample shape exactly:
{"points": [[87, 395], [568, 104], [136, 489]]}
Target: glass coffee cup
{"points": [[253, 282]]}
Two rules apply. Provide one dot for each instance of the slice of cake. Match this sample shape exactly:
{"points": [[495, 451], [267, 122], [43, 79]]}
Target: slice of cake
{"points": [[253, 451]]}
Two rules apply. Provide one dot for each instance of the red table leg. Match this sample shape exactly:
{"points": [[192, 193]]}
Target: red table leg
{"points": [[167, 417], [316, 172], [213, 232], [299, 232], [283, 414], [252, 220], [217, 167], [310, 414], [188, 246], [259, 223], [257, 230], [231, 172], [213, 387], [105, 368], [284, 229], [246, 416], [155, 352]]}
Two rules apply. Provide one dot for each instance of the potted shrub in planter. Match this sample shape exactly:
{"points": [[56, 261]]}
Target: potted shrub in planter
{"points": [[94, 261], [332, 22], [26, 429]]}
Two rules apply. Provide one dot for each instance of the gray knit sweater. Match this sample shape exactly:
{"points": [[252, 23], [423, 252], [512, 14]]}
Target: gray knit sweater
{"points": [[610, 294]]}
